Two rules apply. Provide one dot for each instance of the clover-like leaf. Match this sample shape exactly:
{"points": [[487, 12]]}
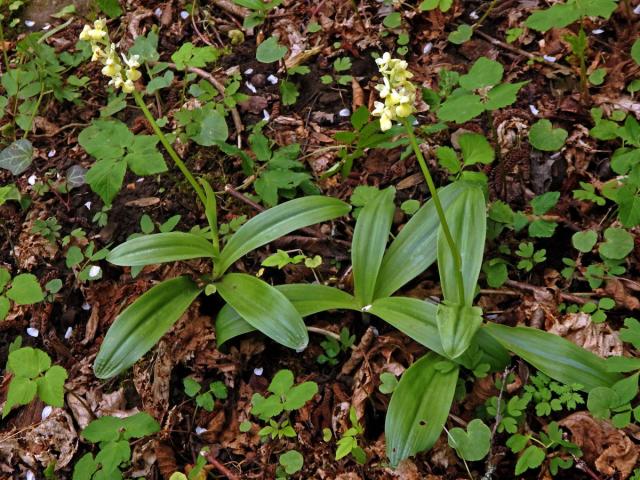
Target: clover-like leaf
{"points": [[474, 444]]}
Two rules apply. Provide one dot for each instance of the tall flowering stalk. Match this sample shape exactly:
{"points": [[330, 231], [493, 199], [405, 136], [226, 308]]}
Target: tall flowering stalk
{"points": [[399, 96], [123, 73]]}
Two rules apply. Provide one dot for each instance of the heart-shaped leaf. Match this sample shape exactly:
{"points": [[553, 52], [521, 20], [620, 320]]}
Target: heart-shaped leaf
{"points": [[474, 444], [544, 137]]}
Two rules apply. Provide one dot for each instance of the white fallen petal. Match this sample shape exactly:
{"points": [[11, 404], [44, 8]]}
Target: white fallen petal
{"points": [[258, 371], [86, 306], [637, 10], [46, 411], [598, 31], [549, 58], [94, 271], [534, 110], [345, 112], [32, 180], [33, 332], [272, 79], [474, 15], [46, 26], [30, 475], [158, 12], [184, 14], [427, 48], [68, 333], [265, 115], [248, 71], [29, 23], [200, 430], [88, 205], [51, 153], [251, 87]]}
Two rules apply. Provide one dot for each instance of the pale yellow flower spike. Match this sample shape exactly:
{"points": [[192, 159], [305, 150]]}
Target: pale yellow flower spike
{"points": [[398, 93], [105, 52]]}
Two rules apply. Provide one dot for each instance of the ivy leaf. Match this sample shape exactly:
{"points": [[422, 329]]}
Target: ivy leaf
{"points": [[544, 137], [270, 51], [483, 73], [25, 290], [17, 157], [472, 445]]}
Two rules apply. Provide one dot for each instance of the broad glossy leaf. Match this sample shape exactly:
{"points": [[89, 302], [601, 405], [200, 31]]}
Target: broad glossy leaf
{"points": [[17, 157], [556, 357], [160, 248], [419, 407], [415, 247], [278, 221], [265, 308], [467, 221], [307, 299], [413, 317], [457, 326], [138, 328], [417, 319], [369, 243]]}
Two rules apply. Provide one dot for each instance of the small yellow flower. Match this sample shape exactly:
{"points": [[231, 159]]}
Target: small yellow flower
{"points": [[398, 93], [105, 52]]}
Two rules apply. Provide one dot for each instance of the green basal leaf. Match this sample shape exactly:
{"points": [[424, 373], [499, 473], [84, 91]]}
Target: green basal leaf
{"points": [[467, 221], [419, 407], [138, 328], [414, 248], [307, 299], [554, 356], [278, 221], [160, 248], [457, 326], [265, 308], [369, 243]]}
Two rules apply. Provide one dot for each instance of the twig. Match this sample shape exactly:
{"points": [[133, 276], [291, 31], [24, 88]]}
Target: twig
{"points": [[221, 468], [490, 467], [236, 194], [545, 291], [524, 53]]}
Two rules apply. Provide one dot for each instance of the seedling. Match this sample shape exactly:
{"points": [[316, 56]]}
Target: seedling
{"points": [[348, 442], [530, 256], [33, 374], [205, 399], [286, 397], [112, 434], [23, 289], [333, 348]]}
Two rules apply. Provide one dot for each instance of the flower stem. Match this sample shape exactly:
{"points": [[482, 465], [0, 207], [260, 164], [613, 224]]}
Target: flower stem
{"points": [[457, 260], [172, 153]]}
